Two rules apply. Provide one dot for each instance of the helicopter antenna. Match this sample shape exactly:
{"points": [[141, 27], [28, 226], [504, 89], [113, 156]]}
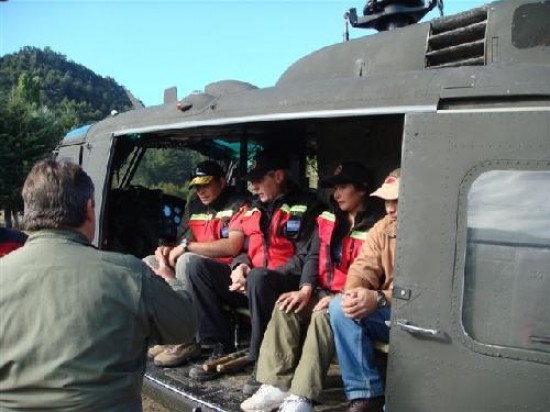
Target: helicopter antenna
{"points": [[440, 7], [346, 26], [385, 15]]}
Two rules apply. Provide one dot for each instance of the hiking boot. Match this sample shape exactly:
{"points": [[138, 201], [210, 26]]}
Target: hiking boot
{"points": [[266, 399], [293, 403], [251, 385], [198, 373], [175, 355], [156, 350], [367, 404]]}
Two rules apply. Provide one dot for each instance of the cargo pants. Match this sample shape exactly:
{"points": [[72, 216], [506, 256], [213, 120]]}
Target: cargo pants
{"points": [[296, 351]]}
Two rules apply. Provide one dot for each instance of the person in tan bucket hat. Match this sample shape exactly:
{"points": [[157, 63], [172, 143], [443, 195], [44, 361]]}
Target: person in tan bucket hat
{"points": [[362, 313]]}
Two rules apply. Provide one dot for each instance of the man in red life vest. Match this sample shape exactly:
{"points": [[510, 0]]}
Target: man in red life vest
{"points": [[206, 235], [278, 229]]}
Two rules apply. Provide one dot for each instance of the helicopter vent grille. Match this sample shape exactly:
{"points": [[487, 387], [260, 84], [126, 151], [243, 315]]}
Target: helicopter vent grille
{"points": [[458, 40]]}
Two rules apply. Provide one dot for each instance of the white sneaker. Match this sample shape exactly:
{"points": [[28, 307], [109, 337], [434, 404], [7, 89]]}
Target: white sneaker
{"points": [[293, 403], [266, 399]]}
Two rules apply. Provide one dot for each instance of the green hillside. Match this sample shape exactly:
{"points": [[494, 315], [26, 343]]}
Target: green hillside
{"points": [[72, 90], [43, 96]]}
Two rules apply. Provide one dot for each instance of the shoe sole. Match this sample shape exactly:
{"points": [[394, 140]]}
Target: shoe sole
{"points": [[175, 362], [171, 364], [276, 408]]}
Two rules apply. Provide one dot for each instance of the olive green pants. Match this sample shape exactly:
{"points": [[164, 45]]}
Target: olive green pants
{"points": [[296, 351]]}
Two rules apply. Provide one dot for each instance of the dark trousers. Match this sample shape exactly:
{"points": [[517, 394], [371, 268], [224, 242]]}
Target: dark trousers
{"points": [[210, 281]]}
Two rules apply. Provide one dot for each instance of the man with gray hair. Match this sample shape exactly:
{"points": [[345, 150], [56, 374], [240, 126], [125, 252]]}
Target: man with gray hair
{"points": [[76, 321]]}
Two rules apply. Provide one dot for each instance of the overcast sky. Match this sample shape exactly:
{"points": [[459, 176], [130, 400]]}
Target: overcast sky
{"points": [[511, 200], [150, 45]]}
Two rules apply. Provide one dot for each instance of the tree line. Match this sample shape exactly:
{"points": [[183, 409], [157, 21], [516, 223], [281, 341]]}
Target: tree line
{"points": [[43, 96]]}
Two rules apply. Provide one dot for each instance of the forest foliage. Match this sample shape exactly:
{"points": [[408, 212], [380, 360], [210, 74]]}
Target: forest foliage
{"points": [[73, 92], [43, 95]]}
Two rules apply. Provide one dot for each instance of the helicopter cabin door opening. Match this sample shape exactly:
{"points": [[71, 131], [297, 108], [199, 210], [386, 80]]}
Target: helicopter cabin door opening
{"points": [[142, 213]]}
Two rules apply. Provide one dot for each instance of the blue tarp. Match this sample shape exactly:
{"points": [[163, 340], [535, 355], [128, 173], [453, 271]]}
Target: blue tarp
{"points": [[78, 132]]}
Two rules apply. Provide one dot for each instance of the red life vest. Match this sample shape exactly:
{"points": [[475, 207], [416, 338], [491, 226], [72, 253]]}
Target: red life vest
{"points": [[210, 226], [206, 224], [333, 277], [10, 240], [7, 247], [278, 247]]}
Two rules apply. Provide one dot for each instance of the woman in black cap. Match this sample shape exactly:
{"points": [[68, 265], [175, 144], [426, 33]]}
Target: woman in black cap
{"points": [[292, 369]]}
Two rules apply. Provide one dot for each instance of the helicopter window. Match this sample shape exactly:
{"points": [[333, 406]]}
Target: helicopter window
{"points": [[507, 267], [531, 27]]}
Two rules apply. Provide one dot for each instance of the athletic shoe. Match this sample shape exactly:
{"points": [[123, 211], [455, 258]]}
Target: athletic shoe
{"points": [[266, 399], [293, 403]]}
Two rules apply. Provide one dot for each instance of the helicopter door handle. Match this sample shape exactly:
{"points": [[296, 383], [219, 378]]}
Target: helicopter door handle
{"points": [[417, 330]]}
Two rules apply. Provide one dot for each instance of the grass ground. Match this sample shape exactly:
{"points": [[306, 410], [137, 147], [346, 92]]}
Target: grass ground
{"points": [[149, 405]]}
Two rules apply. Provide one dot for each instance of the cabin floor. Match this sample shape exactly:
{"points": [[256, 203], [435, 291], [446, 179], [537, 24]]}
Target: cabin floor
{"points": [[174, 389], [177, 391]]}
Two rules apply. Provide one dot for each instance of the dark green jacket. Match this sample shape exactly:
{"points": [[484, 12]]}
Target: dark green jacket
{"points": [[75, 323]]}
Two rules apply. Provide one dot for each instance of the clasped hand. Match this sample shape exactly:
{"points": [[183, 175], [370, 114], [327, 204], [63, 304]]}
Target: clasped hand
{"points": [[238, 278], [161, 269], [359, 302]]}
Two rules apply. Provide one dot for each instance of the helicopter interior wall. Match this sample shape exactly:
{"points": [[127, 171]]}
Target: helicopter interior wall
{"points": [[374, 141]]}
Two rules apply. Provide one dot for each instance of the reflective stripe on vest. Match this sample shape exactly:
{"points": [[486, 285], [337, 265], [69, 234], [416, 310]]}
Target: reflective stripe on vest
{"points": [[207, 227], [278, 248]]}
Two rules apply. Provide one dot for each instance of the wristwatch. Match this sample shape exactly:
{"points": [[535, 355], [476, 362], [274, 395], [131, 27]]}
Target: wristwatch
{"points": [[381, 301], [184, 243]]}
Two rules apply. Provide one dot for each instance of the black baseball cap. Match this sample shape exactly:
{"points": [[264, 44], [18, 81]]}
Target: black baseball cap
{"points": [[348, 172], [205, 172], [265, 162]]}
